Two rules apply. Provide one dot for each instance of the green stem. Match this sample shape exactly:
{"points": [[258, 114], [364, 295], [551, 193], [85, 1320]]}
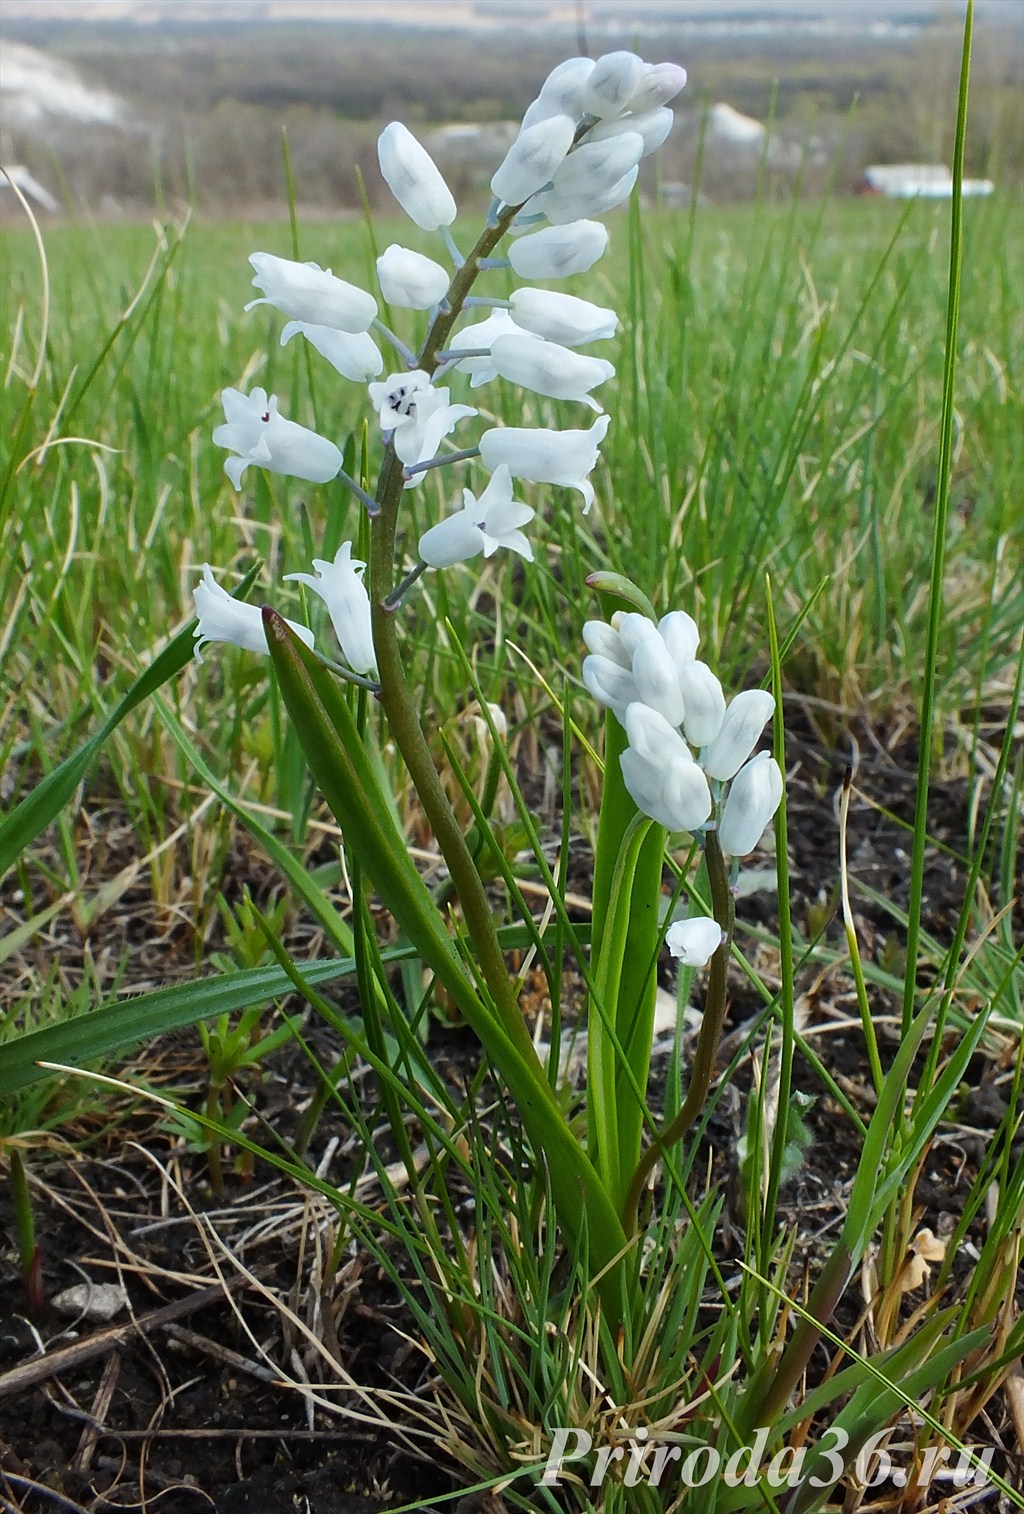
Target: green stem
{"points": [[707, 1042], [396, 698]]}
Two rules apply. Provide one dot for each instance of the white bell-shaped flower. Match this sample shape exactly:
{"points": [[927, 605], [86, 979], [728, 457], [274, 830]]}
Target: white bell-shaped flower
{"points": [[532, 159], [480, 335], [657, 679], [417, 413], [562, 318], [693, 942], [355, 355], [414, 178], [561, 91], [652, 126], [704, 701], [340, 585], [259, 435], [659, 83], [754, 795], [555, 252], [547, 457], [610, 683], [224, 618], [549, 369], [593, 168], [660, 774], [307, 292], [615, 79], [482, 525], [410, 280], [746, 717]]}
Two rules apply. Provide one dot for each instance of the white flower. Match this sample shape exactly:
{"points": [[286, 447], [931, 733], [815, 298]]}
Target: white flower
{"points": [[340, 586], [562, 317], [414, 178], [560, 93], [604, 641], [482, 525], [549, 369], [632, 628], [561, 208], [652, 126], [694, 941], [480, 334], [754, 795], [660, 774], [555, 252], [223, 618], [615, 79], [353, 354], [704, 702], [592, 169], [259, 435], [547, 457], [410, 280], [417, 413], [657, 679], [745, 719], [659, 83], [680, 634], [532, 159], [307, 292], [610, 683]]}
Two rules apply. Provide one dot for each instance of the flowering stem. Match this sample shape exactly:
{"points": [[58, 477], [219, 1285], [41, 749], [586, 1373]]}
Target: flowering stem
{"points": [[399, 705], [707, 1042], [397, 594], [367, 499], [439, 461]]}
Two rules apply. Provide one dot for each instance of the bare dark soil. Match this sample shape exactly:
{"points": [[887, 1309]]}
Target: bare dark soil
{"points": [[178, 1404]]}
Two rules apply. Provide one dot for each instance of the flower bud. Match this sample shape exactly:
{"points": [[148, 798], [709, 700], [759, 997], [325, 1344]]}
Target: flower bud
{"points": [[555, 252], [704, 700], [307, 292], [615, 78], [411, 280], [604, 641], [414, 178], [549, 369], [653, 126], [680, 634], [560, 92], [532, 159], [741, 728], [632, 628], [754, 796], [560, 208], [659, 83], [609, 682], [693, 942], [660, 773], [480, 334], [657, 679], [562, 317]]}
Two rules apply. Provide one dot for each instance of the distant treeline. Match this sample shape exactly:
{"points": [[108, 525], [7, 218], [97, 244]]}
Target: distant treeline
{"points": [[208, 103]]}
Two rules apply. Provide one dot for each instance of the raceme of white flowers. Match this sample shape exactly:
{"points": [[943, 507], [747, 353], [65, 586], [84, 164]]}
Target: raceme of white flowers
{"points": [[689, 760], [576, 156]]}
